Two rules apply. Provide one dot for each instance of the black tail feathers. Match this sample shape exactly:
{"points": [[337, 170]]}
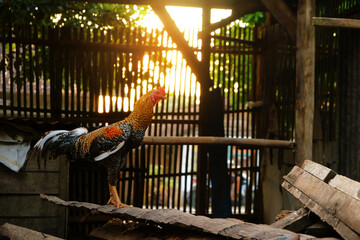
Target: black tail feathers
{"points": [[53, 144]]}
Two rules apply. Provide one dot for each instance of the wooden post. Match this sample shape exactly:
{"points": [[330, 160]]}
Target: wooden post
{"points": [[305, 77], [202, 165]]}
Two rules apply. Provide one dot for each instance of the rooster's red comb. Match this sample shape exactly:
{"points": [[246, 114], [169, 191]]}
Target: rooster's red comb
{"points": [[161, 89]]}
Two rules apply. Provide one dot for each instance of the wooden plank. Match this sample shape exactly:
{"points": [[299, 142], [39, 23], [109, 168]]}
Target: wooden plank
{"points": [[62, 213], [20, 233], [336, 22], [52, 165], [321, 172], [45, 225], [283, 14], [29, 183], [305, 79], [338, 225], [246, 142], [25, 206], [192, 3], [239, 11], [295, 221], [173, 217], [337, 203], [346, 185]]}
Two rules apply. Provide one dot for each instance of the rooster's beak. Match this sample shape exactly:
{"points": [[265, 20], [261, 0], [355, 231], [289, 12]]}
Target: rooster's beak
{"points": [[165, 97]]}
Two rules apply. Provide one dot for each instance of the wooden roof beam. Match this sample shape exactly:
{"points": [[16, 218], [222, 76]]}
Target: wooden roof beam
{"points": [[239, 11], [336, 22], [179, 39], [283, 14], [179, 3]]}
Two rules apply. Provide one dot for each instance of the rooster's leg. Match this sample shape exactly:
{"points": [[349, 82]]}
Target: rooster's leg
{"points": [[114, 197]]}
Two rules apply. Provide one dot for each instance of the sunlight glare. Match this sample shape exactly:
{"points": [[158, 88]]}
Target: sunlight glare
{"points": [[185, 17], [177, 78]]}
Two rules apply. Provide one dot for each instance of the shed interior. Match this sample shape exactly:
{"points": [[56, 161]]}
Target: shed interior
{"points": [[283, 80]]}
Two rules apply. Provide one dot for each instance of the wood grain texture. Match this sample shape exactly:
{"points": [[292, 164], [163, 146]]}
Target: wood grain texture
{"points": [[295, 221], [42, 224], [20, 233], [25, 206], [331, 204], [321, 172], [305, 81], [173, 217], [346, 185], [325, 215], [29, 182], [336, 22]]}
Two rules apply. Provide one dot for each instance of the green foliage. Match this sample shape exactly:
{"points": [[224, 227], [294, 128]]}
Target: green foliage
{"points": [[68, 13], [253, 18], [57, 13]]}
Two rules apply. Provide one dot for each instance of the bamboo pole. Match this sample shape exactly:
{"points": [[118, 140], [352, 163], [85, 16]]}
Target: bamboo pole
{"points": [[205, 140], [336, 22]]}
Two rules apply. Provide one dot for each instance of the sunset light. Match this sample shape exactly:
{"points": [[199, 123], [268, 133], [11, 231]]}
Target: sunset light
{"points": [[178, 79]]}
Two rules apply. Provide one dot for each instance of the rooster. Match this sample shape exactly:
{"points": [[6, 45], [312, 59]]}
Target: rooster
{"points": [[108, 145]]}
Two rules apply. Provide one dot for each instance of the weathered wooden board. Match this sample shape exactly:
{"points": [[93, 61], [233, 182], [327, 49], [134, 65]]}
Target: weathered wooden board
{"points": [[25, 206], [321, 172], [19, 197], [325, 215], [14, 232], [51, 165], [222, 227], [295, 221], [338, 204], [327, 175], [346, 185], [29, 182], [32, 166], [42, 224]]}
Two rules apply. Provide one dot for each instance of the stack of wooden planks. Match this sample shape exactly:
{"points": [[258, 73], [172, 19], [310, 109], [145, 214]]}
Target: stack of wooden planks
{"points": [[334, 198]]}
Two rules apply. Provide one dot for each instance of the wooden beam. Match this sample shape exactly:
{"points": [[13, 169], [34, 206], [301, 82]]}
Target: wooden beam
{"points": [[239, 11], [179, 39], [180, 3], [173, 217], [305, 79], [336, 22], [283, 14], [246, 142]]}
